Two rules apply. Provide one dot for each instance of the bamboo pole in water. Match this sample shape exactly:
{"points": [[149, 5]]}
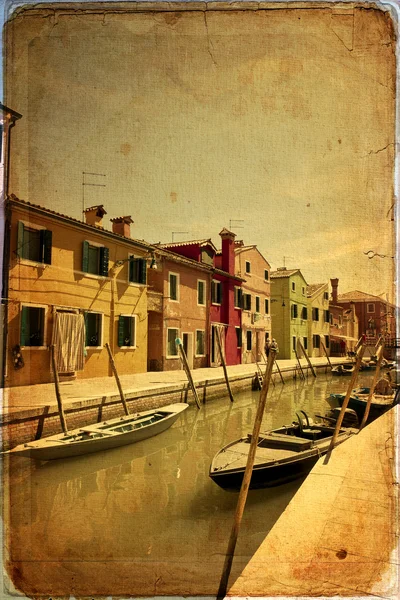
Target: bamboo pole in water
{"points": [[114, 370], [58, 393], [351, 385], [326, 354], [246, 479], [372, 388], [228, 385]]}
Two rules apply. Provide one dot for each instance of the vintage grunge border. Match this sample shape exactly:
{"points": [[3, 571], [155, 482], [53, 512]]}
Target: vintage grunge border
{"points": [[13, 8]]}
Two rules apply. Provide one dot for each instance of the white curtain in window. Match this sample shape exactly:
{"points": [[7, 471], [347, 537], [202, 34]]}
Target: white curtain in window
{"points": [[69, 341]]}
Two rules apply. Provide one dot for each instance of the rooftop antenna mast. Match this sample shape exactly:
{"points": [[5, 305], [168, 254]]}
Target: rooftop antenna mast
{"points": [[85, 183], [284, 259], [235, 223]]}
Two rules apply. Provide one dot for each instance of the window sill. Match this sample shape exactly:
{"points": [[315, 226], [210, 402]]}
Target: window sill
{"points": [[33, 263], [137, 284], [201, 305], [171, 300], [94, 276], [216, 304], [34, 348], [172, 357], [199, 355], [94, 348], [127, 347]]}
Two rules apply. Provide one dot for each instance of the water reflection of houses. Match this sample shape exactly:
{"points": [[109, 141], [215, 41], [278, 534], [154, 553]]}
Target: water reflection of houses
{"points": [[344, 325]]}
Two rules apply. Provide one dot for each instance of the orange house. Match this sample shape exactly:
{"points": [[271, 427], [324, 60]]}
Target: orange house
{"points": [[75, 285]]}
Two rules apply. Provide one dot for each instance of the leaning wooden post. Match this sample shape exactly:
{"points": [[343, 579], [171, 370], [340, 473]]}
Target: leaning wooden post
{"points": [[114, 370], [372, 388], [353, 379], [279, 371], [326, 354], [246, 479], [307, 358], [300, 367], [58, 393], [186, 367], [228, 385]]}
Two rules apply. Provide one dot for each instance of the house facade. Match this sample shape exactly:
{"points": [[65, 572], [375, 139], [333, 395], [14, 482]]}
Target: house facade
{"points": [[255, 298], [318, 319], [224, 316], [289, 310], [344, 327], [75, 285], [179, 307]]}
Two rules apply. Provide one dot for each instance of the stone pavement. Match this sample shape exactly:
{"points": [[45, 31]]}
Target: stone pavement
{"points": [[21, 398], [339, 534]]}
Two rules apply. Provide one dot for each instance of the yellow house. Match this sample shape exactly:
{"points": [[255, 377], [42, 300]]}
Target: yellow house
{"points": [[318, 319], [75, 285]]}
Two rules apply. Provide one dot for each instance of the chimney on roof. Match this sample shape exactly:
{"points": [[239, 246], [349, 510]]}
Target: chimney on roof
{"points": [[122, 225], [334, 284], [239, 243], [228, 251], [94, 215], [281, 269]]}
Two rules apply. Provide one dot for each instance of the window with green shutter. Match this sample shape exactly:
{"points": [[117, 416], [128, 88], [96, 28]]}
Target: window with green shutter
{"points": [[95, 259], [32, 326], [173, 287], [138, 270], [238, 337], [34, 244], [201, 292], [172, 349], [126, 331], [200, 342]]}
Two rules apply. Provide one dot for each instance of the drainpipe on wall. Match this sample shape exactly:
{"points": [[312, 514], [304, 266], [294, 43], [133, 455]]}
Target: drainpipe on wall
{"points": [[4, 293]]}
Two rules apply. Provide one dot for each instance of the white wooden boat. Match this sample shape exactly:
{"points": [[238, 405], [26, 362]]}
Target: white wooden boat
{"points": [[102, 436]]}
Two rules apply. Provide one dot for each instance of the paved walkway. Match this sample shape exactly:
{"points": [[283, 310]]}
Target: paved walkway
{"points": [[35, 396], [339, 534]]}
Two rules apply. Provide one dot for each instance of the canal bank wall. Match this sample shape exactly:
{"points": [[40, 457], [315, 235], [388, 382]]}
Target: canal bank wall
{"points": [[30, 412], [339, 535]]}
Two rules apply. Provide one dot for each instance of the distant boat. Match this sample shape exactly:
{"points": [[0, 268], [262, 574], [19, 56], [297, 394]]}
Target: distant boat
{"points": [[102, 436], [344, 369], [282, 455]]}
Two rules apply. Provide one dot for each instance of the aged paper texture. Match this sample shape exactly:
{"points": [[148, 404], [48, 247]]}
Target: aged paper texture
{"points": [[275, 118]]}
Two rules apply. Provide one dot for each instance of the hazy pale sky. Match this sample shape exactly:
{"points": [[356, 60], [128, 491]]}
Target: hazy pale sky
{"points": [[276, 123]]}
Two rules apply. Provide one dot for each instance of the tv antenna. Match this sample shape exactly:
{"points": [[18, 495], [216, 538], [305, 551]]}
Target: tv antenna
{"points": [[235, 222], [180, 233], [284, 259], [85, 183]]}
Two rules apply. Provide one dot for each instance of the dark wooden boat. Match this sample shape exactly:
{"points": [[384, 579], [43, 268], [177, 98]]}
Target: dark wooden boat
{"points": [[102, 436], [282, 455], [358, 402]]}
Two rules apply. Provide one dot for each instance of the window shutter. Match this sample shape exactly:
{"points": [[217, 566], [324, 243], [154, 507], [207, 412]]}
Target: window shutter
{"points": [[131, 268], [219, 293], [132, 333], [20, 241], [142, 270], [240, 297], [104, 256], [85, 257], [46, 237], [121, 323], [24, 322]]}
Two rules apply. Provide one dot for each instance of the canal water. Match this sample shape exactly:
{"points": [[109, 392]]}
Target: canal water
{"points": [[146, 518]]}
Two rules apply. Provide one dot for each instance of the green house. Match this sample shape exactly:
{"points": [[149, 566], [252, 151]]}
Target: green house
{"points": [[289, 310]]}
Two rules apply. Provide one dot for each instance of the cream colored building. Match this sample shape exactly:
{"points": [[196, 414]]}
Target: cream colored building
{"points": [[255, 298], [318, 319]]}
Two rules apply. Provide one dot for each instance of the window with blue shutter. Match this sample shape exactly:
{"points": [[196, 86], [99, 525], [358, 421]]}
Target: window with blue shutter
{"points": [[138, 270], [126, 331], [104, 258], [95, 259], [92, 329]]}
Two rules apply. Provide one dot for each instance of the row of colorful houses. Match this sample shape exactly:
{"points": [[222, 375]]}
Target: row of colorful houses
{"points": [[82, 285]]}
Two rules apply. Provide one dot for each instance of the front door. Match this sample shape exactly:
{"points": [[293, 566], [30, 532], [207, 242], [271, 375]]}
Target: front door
{"points": [[187, 340]]}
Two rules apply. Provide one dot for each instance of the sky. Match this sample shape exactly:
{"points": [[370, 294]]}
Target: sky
{"points": [[277, 124]]}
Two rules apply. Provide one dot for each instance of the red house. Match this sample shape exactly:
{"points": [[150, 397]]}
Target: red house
{"points": [[225, 309]]}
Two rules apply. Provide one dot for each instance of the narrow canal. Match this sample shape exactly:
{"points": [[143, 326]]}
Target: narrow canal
{"points": [[146, 518]]}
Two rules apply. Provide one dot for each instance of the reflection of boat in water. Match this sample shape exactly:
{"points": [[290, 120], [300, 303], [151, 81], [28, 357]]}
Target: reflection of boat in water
{"points": [[282, 454], [344, 369], [103, 436]]}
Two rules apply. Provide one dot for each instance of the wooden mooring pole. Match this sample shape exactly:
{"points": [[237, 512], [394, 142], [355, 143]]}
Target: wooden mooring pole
{"points": [[373, 384], [114, 370], [307, 358], [300, 367], [58, 393], [186, 368], [246, 479], [228, 385], [353, 379], [326, 354]]}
